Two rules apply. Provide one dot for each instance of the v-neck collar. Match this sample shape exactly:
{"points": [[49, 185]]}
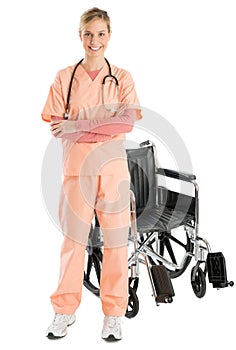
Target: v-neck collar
{"points": [[81, 71], [93, 73]]}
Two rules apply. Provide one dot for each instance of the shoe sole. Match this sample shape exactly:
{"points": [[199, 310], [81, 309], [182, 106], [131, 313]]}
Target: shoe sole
{"points": [[51, 336], [111, 338]]}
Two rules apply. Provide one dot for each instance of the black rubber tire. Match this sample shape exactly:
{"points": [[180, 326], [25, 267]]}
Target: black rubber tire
{"points": [[95, 262], [199, 285], [133, 304]]}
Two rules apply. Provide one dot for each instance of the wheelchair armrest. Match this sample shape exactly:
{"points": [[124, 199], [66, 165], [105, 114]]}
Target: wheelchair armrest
{"points": [[176, 175]]}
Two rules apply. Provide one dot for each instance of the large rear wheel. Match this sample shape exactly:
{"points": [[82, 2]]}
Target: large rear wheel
{"points": [[92, 275], [133, 304], [92, 272]]}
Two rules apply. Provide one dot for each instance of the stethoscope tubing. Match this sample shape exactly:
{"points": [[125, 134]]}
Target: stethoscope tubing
{"points": [[110, 75]]}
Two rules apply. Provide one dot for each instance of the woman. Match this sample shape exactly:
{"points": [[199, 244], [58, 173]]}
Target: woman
{"points": [[95, 173]]}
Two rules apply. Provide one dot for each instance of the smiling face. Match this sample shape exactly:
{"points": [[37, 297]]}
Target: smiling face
{"points": [[95, 37]]}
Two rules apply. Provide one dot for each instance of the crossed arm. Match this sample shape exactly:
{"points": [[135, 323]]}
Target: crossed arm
{"points": [[94, 130]]}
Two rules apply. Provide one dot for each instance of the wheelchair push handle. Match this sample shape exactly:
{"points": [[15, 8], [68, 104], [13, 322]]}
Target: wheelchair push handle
{"points": [[145, 143]]}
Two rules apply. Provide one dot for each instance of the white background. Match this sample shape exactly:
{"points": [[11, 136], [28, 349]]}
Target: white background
{"points": [[182, 57]]}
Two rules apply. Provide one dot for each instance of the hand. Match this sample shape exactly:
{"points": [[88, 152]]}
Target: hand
{"points": [[61, 127], [121, 109]]}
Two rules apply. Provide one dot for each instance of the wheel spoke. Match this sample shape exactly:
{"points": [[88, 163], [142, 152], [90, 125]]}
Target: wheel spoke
{"points": [[97, 268], [131, 303], [168, 242], [177, 241], [98, 253], [89, 266], [170, 250], [162, 248]]}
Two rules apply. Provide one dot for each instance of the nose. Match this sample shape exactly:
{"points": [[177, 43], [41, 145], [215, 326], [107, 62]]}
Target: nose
{"points": [[92, 39]]}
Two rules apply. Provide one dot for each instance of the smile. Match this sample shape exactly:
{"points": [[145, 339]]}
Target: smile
{"points": [[93, 48]]}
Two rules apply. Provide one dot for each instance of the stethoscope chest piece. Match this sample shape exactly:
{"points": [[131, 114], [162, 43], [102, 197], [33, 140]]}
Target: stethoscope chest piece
{"points": [[66, 115]]}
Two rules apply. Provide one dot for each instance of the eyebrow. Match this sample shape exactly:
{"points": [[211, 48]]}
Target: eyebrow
{"points": [[100, 31]]}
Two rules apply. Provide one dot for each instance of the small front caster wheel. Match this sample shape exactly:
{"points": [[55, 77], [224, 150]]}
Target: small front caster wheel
{"points": [[198, 281]]}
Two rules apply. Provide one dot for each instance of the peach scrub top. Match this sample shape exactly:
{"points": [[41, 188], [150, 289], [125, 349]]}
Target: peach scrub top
{"points": [[98, 147]]}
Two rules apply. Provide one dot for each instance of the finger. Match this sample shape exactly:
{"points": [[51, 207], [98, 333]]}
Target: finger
{"points": [[55, 127], [53, 131], [124, 107], [56, 131], [56, 122], [121, 110], [59, 134]]}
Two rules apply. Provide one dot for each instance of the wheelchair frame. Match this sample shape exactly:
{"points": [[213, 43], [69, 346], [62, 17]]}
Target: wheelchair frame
{"points": [[142, 248], [149, 249]]}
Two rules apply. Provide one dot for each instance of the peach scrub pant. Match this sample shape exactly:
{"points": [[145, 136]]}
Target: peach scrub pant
{"points": [[80, 196]]}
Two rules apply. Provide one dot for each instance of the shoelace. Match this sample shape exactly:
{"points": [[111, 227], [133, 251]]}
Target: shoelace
{"points": [[58, 318], [113, 322]]}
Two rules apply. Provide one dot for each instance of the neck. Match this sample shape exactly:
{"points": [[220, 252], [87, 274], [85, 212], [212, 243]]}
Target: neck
{"points": [[93, 63]]}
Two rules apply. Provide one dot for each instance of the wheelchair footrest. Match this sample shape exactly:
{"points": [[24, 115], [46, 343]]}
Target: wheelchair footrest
{"points": [[162, 283], [216, 267]]}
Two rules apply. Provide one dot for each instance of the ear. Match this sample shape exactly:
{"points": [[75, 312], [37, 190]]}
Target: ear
{"points": [[110, 34], [80, 35]]}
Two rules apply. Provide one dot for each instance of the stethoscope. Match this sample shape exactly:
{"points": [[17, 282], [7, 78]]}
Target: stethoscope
{"points": [[110, 75]]}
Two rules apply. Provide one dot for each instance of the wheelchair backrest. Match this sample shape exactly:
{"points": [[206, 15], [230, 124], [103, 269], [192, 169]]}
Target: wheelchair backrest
{"points": [[142, 168]]}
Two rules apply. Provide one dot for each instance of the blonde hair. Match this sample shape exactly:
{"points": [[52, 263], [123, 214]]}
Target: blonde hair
{"points": [[91, 14]]}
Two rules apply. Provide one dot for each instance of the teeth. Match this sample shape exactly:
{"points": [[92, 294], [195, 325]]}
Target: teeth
{"points": [[94, 48]]}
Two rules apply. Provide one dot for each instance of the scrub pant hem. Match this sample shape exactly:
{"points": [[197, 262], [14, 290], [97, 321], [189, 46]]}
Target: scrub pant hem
{"points": [[115, 314], [65, 311]]}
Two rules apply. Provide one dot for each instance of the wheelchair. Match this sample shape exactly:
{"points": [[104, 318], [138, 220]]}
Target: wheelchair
{"points": [[164, 234]]}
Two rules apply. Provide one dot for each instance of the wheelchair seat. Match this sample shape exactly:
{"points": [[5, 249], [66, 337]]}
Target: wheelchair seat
{"points": [[162, 219]]}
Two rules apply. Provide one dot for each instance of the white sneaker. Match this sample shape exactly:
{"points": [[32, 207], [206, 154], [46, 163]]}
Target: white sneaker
{"points": [[58, 327], [112, 328]]}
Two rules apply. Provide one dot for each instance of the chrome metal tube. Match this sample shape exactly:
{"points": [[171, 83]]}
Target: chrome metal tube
{"points": [[146, 250]]}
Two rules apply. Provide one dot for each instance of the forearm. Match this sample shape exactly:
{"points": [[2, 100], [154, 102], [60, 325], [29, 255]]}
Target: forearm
{"points": [[109, 126], [83, 136], [93, 130]]}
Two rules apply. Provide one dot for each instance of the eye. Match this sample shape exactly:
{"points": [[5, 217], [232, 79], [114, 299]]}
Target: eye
{"points": [[101, 34], [87, 34]]}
